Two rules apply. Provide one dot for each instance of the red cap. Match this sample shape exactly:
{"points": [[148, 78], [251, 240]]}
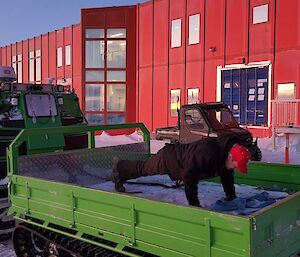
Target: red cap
{"points": [[241, 155]]}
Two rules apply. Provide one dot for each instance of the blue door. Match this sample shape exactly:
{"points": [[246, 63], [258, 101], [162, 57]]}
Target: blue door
{"points": [[246, 92], [231, 92]]}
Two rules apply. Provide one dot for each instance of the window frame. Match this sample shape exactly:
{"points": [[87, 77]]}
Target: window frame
{"points": [[68, 55], [258, 15], [191, 29], [59, 57], [173, 111], [176, 42], [108, 70]]}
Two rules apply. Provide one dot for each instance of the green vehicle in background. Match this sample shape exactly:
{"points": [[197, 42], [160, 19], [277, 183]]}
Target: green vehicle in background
{"points": [[33, 106]]}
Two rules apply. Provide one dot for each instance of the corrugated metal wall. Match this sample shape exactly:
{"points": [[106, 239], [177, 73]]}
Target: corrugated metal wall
{"points": [[227, 37], [48, 44]]}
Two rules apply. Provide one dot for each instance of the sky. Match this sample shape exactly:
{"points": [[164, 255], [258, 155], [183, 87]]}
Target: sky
{"points": [[22, 19]]}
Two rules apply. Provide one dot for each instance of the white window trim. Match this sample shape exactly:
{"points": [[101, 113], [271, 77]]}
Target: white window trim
{"points": [[190, 30], [175, 44], [262, 19], [68, 54], [59, 60]]}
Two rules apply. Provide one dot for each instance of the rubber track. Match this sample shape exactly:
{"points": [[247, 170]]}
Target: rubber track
{"points": [[71, 245]]}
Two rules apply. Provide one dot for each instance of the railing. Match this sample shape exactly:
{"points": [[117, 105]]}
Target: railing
{"points": [[285, 120], [285, 113], [13, 150]]}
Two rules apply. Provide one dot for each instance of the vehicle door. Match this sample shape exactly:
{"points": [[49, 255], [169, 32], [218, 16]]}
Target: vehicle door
{"points": [[193, 126]]}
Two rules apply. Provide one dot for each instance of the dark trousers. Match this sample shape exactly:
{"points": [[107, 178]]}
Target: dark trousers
{"points": [[134, 169]]}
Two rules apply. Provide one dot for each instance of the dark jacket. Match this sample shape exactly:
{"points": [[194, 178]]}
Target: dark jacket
{"points": [[196, 161]]}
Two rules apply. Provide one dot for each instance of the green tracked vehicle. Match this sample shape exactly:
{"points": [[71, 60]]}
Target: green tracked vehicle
{"points": [[65, 207], [33, 106]]}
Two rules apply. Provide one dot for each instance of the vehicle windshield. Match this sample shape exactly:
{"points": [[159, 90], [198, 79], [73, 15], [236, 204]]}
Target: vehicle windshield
{"points": [[40, 105], [221, 118]]}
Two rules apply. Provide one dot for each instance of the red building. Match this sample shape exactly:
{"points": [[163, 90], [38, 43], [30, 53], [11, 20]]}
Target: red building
{"points": [[133, 63]]}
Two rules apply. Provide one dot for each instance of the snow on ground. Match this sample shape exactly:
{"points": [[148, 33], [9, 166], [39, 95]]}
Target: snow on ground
{"points": [[277, 155], [208, 192]]}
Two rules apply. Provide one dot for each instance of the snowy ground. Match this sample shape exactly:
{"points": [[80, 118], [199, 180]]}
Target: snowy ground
{"points": [[278, 155]]}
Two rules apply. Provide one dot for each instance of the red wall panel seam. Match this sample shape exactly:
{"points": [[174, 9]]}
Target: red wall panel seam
{"points": [[138, 65], [185, 46], [72, 58], [274, 57], [204, 54], [225, 34], [153, 34], [169, 44]]}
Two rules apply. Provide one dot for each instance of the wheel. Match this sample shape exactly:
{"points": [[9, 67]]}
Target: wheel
{"points": [[4, 237], [7, 225], [27, 244]]}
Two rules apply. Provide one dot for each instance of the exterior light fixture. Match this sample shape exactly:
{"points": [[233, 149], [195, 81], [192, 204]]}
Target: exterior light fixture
{"points": [[212, 49]]}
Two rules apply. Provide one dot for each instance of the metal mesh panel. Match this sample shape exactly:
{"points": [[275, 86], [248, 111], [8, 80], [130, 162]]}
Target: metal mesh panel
{"points": [[81, 167]]}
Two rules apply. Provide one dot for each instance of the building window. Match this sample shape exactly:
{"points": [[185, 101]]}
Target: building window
{"points": [[175, 101], [94, 33], [68, 54], [95, 118], [116, 76], [116, 97], [194, 29], [116, 118], [116, 33], [286, 91], [14, 63], [94, 97], [116, 54], [31, 66], [59, 57], [34, 66], [193, 95], [260, 14], [38, 75], [105, 74], [94, 76], [19, 68], [176, 33], [94, 54]]}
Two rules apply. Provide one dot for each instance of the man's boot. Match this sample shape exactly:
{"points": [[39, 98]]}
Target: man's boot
{"points": [[116, 176]]}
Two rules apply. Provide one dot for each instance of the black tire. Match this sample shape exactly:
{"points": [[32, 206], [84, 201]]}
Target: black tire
{"points": [[5, 237], [26, 245], [29, 244], [6, 225]]}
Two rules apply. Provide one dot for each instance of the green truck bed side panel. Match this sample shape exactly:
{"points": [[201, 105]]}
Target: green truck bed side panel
{"points": [[160, 228], [163, 229], [272, 176], [277, 229]]}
